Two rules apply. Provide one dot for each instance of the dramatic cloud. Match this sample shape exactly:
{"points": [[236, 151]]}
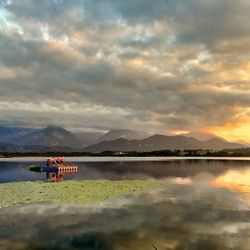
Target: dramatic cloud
{"points": [[160, 66]]}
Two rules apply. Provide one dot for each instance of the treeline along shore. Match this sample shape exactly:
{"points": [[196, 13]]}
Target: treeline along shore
{"points": [[241, 152]]}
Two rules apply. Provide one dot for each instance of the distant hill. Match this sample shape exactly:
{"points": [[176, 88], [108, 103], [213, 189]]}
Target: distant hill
{"points": [[7, 147], [160, 142], [35, 148], [12, 134], [219, 143], [44, 136], [51, 136], [54, 138], [123, 133], [202, 136], [88, 138]]}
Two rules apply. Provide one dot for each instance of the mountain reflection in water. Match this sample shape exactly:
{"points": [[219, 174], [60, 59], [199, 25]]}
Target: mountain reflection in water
{"points": [[188, 213]]}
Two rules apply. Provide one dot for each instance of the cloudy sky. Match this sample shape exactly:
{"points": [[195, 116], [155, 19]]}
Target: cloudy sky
{"points": [[166, 66]]}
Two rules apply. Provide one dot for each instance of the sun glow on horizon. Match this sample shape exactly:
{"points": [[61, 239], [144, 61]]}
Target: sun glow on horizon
{"points": [[180, 132], [234, 132]]}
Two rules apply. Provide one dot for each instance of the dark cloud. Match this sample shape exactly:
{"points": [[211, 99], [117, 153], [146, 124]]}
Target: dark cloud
{"points": [[165, 64]]}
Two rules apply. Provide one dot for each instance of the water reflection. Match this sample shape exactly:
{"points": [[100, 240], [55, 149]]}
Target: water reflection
{"points": [[234, 180], [188, 213], [204, 205], [13, 171]]}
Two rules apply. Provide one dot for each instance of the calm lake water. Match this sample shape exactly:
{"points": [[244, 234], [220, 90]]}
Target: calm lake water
{"points": [[205, 205], [120, 168]]}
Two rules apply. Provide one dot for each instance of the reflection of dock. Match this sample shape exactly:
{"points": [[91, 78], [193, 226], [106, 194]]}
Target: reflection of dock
{"points": [[56, 169]]}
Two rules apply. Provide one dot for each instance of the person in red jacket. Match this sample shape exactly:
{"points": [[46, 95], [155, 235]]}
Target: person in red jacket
{"points": [[48, 165]]}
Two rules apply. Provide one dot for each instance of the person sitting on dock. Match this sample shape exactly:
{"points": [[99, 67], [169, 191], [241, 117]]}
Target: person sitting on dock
{"points": [[62, 159], [55, 161], [48, 162]]}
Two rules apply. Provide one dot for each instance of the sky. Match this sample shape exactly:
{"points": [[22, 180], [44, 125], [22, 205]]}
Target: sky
{"points": [[165, 66]]}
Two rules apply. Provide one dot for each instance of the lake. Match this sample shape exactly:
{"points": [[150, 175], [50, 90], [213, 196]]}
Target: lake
{"points": [[120, 168], [204, 205]]}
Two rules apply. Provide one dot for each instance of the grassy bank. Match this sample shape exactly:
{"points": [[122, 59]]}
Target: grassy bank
{"points": [[69, 192]]}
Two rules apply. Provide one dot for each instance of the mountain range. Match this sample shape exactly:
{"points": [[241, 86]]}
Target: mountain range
{"points": [[54, 138], [160, 142], [123, 133]]}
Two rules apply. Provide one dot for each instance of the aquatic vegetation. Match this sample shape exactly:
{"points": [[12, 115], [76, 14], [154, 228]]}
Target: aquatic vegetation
{"points": [[193, 216], [69, 192]]}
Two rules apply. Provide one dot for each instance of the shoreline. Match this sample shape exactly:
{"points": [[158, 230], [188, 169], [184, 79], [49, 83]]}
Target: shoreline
{"points": [[125, 158]]}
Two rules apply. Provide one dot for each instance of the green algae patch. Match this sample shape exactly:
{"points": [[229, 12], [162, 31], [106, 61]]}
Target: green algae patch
{"points": [[69, 192]]}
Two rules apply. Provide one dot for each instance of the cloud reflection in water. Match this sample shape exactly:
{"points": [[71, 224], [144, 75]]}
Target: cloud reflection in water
{"points": [[234, 180], [186, 214]]}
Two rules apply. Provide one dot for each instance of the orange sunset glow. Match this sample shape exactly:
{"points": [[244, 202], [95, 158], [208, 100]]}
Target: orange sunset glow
{"points": [[179, 68], [234, 180]]}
